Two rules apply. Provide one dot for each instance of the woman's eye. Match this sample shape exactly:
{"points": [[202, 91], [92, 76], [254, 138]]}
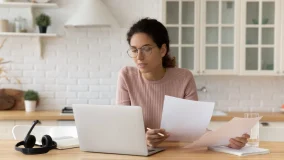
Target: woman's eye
{"points": [[147, 49], [134, 50]]}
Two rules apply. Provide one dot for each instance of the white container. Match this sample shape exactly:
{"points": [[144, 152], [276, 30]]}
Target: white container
{"points": [[4, 25], [30, 106]]}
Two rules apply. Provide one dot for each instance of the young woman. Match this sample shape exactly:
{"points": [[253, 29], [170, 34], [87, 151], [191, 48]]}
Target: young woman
{"points": [[155, 76]]}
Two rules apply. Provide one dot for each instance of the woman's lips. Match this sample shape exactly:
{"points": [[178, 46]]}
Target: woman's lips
{"points": [[142, 65]]}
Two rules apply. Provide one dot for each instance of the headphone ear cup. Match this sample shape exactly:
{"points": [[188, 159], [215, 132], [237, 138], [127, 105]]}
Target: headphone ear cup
{"points": [[46, 141], [30, 141]]}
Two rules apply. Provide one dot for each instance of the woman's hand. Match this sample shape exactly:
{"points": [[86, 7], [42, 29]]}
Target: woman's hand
{"points": [[154, 139], [239, 142]]}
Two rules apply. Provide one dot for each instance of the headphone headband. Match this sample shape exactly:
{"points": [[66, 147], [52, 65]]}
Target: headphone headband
{"points": [[29, 132]]}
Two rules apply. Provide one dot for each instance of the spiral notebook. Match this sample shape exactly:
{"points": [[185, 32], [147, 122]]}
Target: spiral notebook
{"points": [[65, 142], [245, 151]]}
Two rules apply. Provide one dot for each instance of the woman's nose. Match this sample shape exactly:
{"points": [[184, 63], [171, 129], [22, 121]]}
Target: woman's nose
{"points": [[140, 55]]}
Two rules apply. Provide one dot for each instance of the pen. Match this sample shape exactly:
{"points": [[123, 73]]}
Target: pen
{"points": [[157, 133]]}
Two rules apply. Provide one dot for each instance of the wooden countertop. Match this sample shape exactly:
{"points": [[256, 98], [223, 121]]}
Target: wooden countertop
{"points": [[272, 117], [40, 115], [173, 151], [55, 115]]}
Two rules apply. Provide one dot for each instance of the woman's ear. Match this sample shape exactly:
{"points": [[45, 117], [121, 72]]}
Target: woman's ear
{"points": [[163, 50]]}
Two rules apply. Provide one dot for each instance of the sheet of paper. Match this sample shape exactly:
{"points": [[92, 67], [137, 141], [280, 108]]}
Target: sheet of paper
{"points": [[234, 128], [185, 120]]}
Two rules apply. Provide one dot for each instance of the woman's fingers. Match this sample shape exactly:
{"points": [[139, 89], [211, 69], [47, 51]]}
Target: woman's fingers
{"points": [[157, 140], [241, 139], [246, 136], [236, 144], [239, 142], [154, 137], [232, 145], [157, 133]]}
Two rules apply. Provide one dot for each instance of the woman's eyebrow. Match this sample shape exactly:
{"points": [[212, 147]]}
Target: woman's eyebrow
{"points": [[142, 46]]}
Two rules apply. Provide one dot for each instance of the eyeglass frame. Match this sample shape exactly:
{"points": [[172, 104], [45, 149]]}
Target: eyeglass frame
{"points": [[141, 51]]}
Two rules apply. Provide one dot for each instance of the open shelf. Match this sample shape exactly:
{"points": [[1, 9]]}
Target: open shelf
{"points": [[31, 7], [27, 34], [38, 36], [27, 5]]}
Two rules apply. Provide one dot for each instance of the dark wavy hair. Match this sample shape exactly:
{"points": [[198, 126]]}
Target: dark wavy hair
{"points": [[158, 32]]}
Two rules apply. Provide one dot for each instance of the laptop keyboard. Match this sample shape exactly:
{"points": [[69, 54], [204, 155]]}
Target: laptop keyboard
{"points": [[151, 150]]}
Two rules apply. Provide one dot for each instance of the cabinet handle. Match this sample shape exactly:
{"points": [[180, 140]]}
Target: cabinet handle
{"points": [[203, 71], [283, 72], [199, 71], [264, 124]]}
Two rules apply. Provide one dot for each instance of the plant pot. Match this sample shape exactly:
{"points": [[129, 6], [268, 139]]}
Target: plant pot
{"points": [[42, 29], [30, 106]]}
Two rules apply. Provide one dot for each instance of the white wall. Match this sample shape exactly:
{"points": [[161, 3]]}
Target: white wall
{"points": [[240, 93], [81, 65]]}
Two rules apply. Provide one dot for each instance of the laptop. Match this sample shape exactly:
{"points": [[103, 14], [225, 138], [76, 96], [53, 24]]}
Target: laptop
{"points": [[112, 129]]}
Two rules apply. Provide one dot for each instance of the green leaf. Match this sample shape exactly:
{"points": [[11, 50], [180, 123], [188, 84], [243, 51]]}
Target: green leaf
{"points": [[31, 95], [43, 20]]}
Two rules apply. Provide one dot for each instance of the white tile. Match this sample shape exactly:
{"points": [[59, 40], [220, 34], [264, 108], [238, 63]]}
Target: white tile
{"points": [[65, 94], [75, 88], [99, 101]]}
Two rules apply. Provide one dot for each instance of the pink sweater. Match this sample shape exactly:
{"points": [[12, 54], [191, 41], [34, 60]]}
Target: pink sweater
{"points": [[133, 89]]}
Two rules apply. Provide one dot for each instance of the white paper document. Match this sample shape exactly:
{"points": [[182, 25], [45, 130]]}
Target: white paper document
{"points": [[245, 151], [185, 120], [234, 128]]}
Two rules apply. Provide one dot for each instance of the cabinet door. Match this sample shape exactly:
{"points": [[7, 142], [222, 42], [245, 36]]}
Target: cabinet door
{"points": [[219, 40], [282, 40], [182, 21], [260, 43], [273, 132]]}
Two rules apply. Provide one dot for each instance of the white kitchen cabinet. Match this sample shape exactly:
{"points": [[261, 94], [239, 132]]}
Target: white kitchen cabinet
{"points": [[260, 42], [219, 29], [7, 125], [282, 40], [273, 132], [181, 18], [232, 37]]}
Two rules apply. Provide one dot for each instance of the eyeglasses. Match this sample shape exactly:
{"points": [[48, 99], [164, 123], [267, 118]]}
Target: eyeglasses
{"points": [[145, 50]]}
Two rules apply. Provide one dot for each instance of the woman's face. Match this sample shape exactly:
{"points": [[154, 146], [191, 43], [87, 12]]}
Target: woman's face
{"points": [[146, 53]]}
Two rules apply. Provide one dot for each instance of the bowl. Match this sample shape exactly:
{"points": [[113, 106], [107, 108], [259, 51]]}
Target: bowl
{"points": [[264, 21]]}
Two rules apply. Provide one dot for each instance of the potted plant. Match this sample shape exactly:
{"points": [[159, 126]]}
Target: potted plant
{"points": [[31, 98], [43, 21]]}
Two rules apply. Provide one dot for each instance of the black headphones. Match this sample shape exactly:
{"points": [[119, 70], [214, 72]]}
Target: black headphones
{"points": [[29, 142]]}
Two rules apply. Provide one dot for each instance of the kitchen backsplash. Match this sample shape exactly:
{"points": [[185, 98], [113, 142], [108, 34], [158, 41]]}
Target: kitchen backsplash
{"points": [[81, 65]]}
